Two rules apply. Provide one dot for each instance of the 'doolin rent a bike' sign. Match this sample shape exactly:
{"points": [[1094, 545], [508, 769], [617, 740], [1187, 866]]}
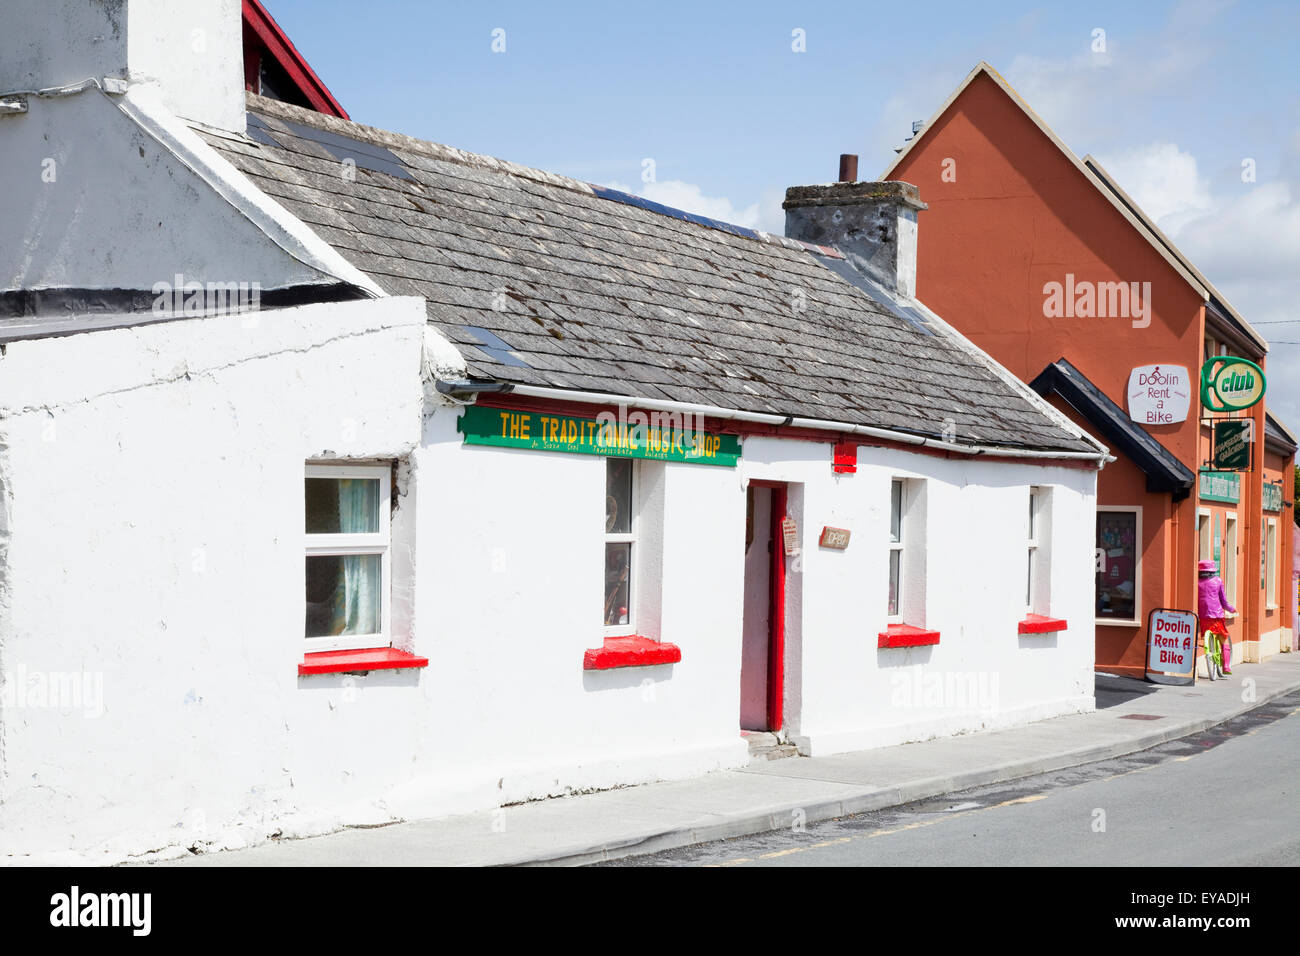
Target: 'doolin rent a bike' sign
{"points": [[1159, 394], [1171, 646]]}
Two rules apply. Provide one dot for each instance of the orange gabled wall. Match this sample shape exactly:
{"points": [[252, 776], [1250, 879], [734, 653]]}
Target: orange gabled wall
{"points": [[1019, 215], [1010, 212]]}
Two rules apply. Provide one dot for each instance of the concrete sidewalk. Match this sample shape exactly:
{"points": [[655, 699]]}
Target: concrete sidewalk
{"points": [[771, 795]]}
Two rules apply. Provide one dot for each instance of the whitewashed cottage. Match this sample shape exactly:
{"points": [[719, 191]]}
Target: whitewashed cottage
{"points": [[346, 477]]}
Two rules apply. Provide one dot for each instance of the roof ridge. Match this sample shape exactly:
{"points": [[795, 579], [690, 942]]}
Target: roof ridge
{"points": [[599, 323], [429, 148], [1089, 175], [1113, 185], [451, 154]]}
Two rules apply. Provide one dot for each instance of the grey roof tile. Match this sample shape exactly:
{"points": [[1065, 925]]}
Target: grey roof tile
{"points": [[600, 295]]}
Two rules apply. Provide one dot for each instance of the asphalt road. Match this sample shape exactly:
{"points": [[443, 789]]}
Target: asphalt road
{"points": [[1227, 797]]}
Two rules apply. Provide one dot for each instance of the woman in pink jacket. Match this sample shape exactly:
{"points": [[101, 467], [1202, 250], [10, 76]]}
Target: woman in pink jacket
{"points": [[1213, 604]]}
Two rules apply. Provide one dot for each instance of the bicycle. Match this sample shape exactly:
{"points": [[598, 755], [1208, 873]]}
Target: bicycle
{"points": [[1213, 656]]}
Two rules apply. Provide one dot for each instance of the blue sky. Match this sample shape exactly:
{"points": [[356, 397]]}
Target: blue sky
{"points": [[730, 114]]}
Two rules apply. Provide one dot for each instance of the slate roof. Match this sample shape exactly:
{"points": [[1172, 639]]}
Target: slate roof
{"points": [[1277, 434], [544, 280]]}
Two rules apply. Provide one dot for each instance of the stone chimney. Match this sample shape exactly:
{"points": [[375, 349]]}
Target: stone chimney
{"points": [[872, 224], [192, 51]]}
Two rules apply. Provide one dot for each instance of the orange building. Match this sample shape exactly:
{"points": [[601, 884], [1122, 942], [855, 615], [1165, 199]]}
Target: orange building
{"points": [[1042, 260]]}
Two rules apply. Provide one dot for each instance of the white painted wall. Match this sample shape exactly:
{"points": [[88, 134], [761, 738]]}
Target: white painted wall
{"points": [[851, 695], [154, 486], [96, 201], [153, 482], [192, 52]]}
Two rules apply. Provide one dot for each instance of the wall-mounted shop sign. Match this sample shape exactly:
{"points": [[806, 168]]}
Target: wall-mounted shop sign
{"points": [[1159, 394], [1272, 497], [656, 435], [1232, 440], [1229, 384], [837, 539], [1171, 646], [1221, 486]]}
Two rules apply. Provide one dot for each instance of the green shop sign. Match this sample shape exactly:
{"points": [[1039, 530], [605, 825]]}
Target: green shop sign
{"points": [[1272, 497], [661, 436], [1232, 444], [1220, 486], [1230, 384]]}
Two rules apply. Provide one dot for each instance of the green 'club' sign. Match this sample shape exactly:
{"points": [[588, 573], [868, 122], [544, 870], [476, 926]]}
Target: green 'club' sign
{"points": [[661, 436], [1229, 384]]}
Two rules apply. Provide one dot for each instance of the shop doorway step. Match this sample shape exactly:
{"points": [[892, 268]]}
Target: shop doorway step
{"points": [[767, 746]]}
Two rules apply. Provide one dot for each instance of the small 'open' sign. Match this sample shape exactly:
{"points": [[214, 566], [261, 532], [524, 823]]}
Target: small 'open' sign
{"points": [[835, 538]]}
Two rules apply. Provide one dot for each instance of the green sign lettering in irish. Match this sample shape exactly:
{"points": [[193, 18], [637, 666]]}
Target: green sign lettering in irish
{"points": [[1272, 497], [1220, 486], [661, 436], [1232, 439]]}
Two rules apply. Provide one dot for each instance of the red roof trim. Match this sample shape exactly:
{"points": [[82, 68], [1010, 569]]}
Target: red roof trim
{"points": [[279, 46], [731, 426]]}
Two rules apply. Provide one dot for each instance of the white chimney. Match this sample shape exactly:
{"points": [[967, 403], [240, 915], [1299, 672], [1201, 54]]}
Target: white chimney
{"points": [[192, 51]]}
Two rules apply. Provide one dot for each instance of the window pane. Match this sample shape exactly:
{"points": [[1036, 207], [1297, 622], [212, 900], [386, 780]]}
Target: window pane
{"points": [[895, 566], [618, 495], [1117, 576], [1029, 581], [342, 505], [1230, 560], [1032, 529], [896, 511], [343, 595], [618, 571], [1270, 592]]}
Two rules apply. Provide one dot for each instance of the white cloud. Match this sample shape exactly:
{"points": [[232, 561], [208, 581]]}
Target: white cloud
{"points": [[1248, 245], [1163, 180], [1252, 232], [1244, 237], [765, 214]]}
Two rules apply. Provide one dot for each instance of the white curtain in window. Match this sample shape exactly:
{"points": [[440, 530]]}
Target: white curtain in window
{"points": [[356, 607]]}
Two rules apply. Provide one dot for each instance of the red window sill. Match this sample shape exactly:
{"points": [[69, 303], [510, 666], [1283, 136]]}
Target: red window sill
{"points": [[369, 659], [630, 652], [905, 635], [1041, 624]]}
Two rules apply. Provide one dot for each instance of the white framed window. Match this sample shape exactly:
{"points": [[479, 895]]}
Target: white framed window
{"points": [[348, 568], [1230, 560], [1038, 580], [1270, 563], [1205, 542], [1119, 565], [621, 550], [1033, 550], [897, 528], [907, 552]]}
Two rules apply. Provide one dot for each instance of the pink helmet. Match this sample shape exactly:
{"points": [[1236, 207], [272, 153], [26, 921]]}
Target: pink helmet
{"points": [[1207, 566]]}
